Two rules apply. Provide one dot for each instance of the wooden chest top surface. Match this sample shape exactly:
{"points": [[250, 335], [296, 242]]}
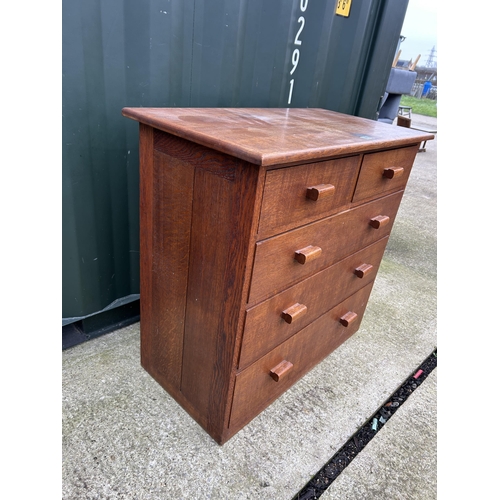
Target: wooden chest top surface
{"points": [[274, 136]]}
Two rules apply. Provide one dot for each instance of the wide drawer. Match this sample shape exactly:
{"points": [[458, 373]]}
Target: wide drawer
{"points": [[384, 172], [262, 382], [277, 262], [294, 196], [278, 318]]}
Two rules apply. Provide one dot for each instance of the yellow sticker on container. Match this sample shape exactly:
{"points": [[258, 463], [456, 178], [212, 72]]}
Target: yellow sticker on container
{"points": [[343, 8]]}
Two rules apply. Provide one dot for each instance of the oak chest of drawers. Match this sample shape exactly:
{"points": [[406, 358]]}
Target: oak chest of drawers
{"points": [[261, 232]]}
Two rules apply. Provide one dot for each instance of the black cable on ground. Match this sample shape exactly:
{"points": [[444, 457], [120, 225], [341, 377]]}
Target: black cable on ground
{"points": [[332, 469]]}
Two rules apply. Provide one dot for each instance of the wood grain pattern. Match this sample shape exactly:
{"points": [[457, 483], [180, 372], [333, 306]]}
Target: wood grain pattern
{"points": [[198, 217], [257, 253], [286, 203], [251, 133], [220, 234], [348, 319], [320, 192], [293, 313], [219, 164], [373, 182], [280, 370], [363, 270], [255, 389], [173, 194], [307, 254], [380, 221], [338, 236], [160, 225], [146, 200], [264, 326]]}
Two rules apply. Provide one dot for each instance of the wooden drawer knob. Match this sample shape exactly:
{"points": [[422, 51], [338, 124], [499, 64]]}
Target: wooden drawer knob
{"points": [[379, 221], [293, 313], [307, 254], [363, 270], [320, 191], [280, 370], [348, 318], [391, 172]]}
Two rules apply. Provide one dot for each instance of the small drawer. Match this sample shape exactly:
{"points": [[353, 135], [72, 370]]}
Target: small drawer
{"points": [[288, 258], [278, 318], [384, 172], [266, 379], [294, 196]]}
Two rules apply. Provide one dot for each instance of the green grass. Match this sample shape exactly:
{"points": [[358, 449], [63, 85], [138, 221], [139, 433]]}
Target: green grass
{"points": [[426, 107]]}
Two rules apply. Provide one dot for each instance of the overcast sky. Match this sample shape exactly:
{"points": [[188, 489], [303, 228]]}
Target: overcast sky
{"points": [[420, 30]]}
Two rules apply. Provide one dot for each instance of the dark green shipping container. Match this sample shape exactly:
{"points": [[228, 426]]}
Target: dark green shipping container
{"points": [[188, 53]]}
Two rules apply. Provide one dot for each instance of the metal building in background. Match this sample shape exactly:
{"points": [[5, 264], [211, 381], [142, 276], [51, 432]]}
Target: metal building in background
{"points": [[189, 53]]}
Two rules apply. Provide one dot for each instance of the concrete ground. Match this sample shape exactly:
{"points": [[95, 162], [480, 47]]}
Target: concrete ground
{"points": [[124, 437]]}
